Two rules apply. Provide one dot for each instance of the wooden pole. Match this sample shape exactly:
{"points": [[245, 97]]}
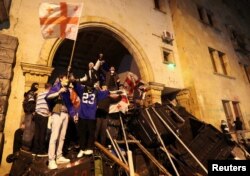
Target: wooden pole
{"points": [[114, 158], [71, 57], [150, 156]]}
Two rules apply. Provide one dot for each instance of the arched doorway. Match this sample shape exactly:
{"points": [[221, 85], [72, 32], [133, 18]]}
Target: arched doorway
{"points": [[90, 42], [128, 50], [102, 27]]}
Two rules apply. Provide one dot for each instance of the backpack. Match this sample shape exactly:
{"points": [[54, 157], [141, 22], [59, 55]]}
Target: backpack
{"points": [[29, 105]]}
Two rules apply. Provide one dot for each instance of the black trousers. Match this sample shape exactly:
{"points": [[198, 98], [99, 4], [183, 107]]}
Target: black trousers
{"points": [[71, 135], [40, 144], [101, 126], [28, 133], [86, 133]]}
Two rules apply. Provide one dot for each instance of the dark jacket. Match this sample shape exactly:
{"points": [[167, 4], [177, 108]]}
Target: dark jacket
{"points": [[65, 99], [112, 81], [238, 124]]}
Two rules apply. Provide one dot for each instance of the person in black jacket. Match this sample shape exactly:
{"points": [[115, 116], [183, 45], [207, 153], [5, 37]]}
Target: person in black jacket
{"points": [[238, 129], [112, 79], [17, 143], [29, 106], [101, 116]]}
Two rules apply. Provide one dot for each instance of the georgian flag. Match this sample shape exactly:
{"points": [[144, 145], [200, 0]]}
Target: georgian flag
{"points": [[130, 83], [60, 19], [121, 106]]}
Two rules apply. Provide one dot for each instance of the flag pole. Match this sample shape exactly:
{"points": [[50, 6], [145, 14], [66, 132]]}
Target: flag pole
{"points": [[71, 57], [73, 49]]}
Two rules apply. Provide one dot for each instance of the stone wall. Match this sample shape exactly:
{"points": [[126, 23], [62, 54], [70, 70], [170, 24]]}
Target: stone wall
{"points": [[8, 47]]}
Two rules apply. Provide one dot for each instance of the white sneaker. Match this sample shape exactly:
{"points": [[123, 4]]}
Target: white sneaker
{"points": [[52, 165], [62, 160], [80, 154], [88, 152]]}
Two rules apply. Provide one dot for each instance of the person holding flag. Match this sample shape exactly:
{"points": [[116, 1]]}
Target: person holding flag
{"points": [[59, 20]]}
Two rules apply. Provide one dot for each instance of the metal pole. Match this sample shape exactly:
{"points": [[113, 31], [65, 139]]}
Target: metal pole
{"points": [[162, 143], [180, 118], [130, 156], [182, 143], [120, 152], [113, 144]]}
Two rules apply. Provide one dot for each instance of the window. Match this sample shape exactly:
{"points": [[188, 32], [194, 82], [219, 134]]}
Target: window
{"points": [[205, 16], [232, 110], [228, 113], [160, 5], [4, 14], [237, 111], [219, 61], [236, 108], [210, 19], [238, 40], [211, 51], [168, 56], [246, 71], [222, 62], [201, 13], [157, 4]]}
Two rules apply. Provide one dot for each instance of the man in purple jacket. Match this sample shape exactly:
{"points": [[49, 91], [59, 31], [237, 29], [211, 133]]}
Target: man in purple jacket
{"points": [[60, 105]]}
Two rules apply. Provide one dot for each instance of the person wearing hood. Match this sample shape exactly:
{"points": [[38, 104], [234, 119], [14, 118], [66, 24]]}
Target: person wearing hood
{"points": [[29, 105], [89, 97]]}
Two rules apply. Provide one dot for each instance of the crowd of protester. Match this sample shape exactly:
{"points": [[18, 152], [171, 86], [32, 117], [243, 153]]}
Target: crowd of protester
{"points": [[73, 112]]}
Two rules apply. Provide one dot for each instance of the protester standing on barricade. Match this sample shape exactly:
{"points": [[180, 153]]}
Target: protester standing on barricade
{"points": [[112, 80], [86, 119], [93, 75], [29, 105], [60, 105], [102, 115], [41, 116]]}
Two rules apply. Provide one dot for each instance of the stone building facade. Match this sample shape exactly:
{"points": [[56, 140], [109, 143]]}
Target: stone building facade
{"points": [[214, 49], [171, 42], [136, 25]]}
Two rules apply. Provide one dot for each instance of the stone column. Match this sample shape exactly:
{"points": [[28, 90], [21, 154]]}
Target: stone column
{"points": [[156, 92], [8, 47], [35, 73], [188, 99]]}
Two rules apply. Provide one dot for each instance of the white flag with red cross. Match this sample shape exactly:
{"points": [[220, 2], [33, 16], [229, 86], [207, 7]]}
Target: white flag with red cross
{"points": [[60, 19], [130, 83], [122, 105]]}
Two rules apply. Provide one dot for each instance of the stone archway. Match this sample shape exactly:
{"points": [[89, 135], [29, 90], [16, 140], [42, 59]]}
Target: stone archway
{"points": [[46, 58]]}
